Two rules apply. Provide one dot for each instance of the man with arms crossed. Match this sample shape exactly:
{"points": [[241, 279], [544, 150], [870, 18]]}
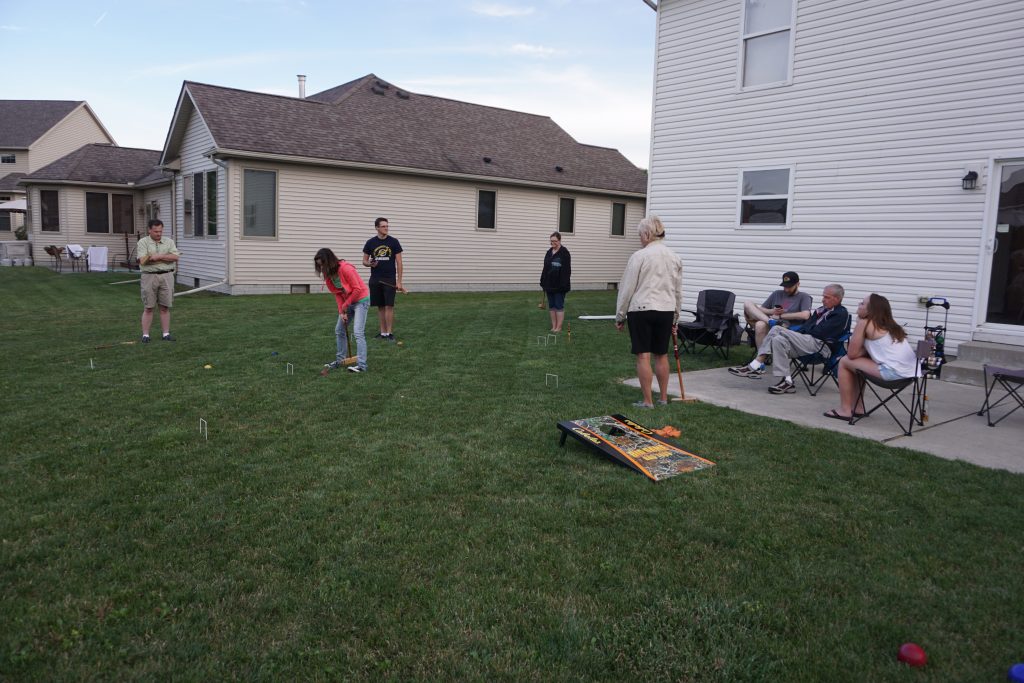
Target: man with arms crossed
{"points": [[382, 254], [158, 260]]}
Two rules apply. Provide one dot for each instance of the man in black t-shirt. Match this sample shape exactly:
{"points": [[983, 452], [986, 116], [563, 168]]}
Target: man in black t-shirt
{"points": [[382, 254]]}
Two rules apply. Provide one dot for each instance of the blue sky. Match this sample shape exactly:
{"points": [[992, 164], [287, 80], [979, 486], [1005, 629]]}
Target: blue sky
{"points": [[587, 64]]}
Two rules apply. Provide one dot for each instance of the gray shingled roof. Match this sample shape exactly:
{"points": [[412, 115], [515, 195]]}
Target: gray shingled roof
{"points": [[9, 183], [372, 121], [101, 163], [22, 122]]}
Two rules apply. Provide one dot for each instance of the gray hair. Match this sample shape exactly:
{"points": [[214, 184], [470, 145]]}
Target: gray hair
{"points": [[837, 291], [651, 228]]}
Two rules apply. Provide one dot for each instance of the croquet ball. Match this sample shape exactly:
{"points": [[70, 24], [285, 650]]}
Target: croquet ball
{"points": [[273, 353], [911, 654], [207, 366], [1016, 673], [401, 343]]}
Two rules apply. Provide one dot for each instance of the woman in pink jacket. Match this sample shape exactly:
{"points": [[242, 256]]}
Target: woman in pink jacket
{"points": [[353, 298]]}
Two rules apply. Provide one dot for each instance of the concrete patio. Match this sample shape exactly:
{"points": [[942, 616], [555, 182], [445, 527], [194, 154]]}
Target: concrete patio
{"points": [[953, 431]]}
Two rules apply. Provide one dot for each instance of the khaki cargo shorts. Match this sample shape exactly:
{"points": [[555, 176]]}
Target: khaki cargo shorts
{"points": [[158, 288]]}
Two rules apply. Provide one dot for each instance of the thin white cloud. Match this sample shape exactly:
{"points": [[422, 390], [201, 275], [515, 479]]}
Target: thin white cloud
{"points": [[12, 28], [102, 17], [533, 50], [494, 9]]}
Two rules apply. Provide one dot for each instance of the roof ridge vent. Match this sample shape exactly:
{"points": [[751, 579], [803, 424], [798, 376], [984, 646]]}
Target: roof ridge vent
{"points": [[402, 94], [382, 85], [375, 90]]}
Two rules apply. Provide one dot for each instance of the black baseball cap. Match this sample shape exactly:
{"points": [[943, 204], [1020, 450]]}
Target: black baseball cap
{"points": [[789, 278]]}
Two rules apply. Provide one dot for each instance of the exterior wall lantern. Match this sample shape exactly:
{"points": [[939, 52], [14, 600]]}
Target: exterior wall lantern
{"points": [[970, 181]]}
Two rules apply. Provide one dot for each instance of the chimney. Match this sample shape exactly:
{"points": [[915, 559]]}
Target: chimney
{"points": [[302, 86]]}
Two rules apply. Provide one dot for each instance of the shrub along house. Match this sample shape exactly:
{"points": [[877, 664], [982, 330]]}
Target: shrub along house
{"points": [[472, 192], [99, 195], [874, 144]]}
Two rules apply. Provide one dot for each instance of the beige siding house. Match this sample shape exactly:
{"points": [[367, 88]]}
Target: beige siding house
{"points": [[34, 133], [472, 192], [99, 195]]}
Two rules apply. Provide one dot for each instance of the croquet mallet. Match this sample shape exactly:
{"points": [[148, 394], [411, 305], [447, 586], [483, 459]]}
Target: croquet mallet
{"points": [[679, 371]]}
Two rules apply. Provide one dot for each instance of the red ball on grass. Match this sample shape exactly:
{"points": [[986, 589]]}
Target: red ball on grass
{"points": [[911, 654]]}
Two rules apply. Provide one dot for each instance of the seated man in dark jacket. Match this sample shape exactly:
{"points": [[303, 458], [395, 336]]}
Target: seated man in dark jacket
{"points": [[828, 321]]}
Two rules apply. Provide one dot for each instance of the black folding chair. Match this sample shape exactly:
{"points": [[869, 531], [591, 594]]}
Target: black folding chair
{"points": [[814, 369], [1012, 381], [715, 326], [916, 384]]}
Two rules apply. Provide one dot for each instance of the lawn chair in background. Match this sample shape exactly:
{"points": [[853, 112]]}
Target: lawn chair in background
{"points": [[816, 368], [895, 389], [76, 254], [1009, 380], [58, 257], [715, 326]]}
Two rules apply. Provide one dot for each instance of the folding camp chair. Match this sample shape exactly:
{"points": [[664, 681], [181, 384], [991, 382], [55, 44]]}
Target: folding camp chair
{"points": [[1012, 381], [917, 384], [715, 326], [76, 255], [814, 369]]}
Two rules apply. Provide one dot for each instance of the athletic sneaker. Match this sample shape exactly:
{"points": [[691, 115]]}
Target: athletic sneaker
{"points": [[390, 338], [378, 336], [783, 387], [333, 365], [356, 368], [641, 404], [145, 339], [745, 371], [167, 337], [662, 403]]}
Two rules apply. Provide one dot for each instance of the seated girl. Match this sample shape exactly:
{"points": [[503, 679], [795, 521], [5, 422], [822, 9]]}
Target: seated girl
{"points": [[878, 348]]}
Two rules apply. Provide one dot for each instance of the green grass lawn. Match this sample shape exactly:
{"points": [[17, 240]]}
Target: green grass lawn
{"points": [[420, 522]]}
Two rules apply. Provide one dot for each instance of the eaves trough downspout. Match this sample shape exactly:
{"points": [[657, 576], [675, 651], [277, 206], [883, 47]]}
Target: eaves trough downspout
{"points": [[229, 264]]}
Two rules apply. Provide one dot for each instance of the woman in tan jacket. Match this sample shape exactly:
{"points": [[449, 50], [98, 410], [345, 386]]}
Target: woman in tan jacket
{"points": [[650, 297]]}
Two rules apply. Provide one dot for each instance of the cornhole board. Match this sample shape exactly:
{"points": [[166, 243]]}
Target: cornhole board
{"points": [[633, 445]]}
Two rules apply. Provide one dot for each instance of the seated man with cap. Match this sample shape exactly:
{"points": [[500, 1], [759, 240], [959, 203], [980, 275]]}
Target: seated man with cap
{"points": [[786, 306], [827, 322]]}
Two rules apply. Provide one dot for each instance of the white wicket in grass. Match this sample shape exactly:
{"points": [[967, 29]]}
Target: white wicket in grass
{"points": [[204, 429], [289, 369], [541, 338], [547, 379], [553, 337], [91, 366]]}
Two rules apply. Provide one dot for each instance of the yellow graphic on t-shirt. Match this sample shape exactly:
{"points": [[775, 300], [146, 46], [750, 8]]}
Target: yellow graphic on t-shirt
{"points": [[382, 253]]}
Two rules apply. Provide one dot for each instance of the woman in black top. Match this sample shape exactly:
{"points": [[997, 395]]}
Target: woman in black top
{"points": [[554, 279]]}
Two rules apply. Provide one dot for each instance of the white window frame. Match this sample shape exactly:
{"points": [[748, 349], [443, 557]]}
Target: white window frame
{"points": [[277, 205], [8, 158], [558, 223], [740, 197], [742, 49], [611, 219], [493, 191]]}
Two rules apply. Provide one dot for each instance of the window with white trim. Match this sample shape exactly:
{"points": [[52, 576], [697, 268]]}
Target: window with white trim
{"points": [[764, 197], [566, 215], [259, 203], [486, 203], [766, 53], [8, 159], [618, 219], [49, 215], [109, 212]]}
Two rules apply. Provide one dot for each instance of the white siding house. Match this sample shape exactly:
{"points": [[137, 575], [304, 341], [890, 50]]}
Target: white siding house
{"points": [[832, 138], [286, 176]]}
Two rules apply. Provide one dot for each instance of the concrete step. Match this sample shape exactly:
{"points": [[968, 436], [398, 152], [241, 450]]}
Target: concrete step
{"points": [[1002, 355], [964, 372]]}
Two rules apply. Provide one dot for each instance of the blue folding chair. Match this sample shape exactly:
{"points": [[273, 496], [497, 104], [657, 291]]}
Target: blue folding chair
{"points": [[814, 369]]}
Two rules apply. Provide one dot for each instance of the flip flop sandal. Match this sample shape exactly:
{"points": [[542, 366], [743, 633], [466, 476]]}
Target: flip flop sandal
{"points": [[836, 416]]}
